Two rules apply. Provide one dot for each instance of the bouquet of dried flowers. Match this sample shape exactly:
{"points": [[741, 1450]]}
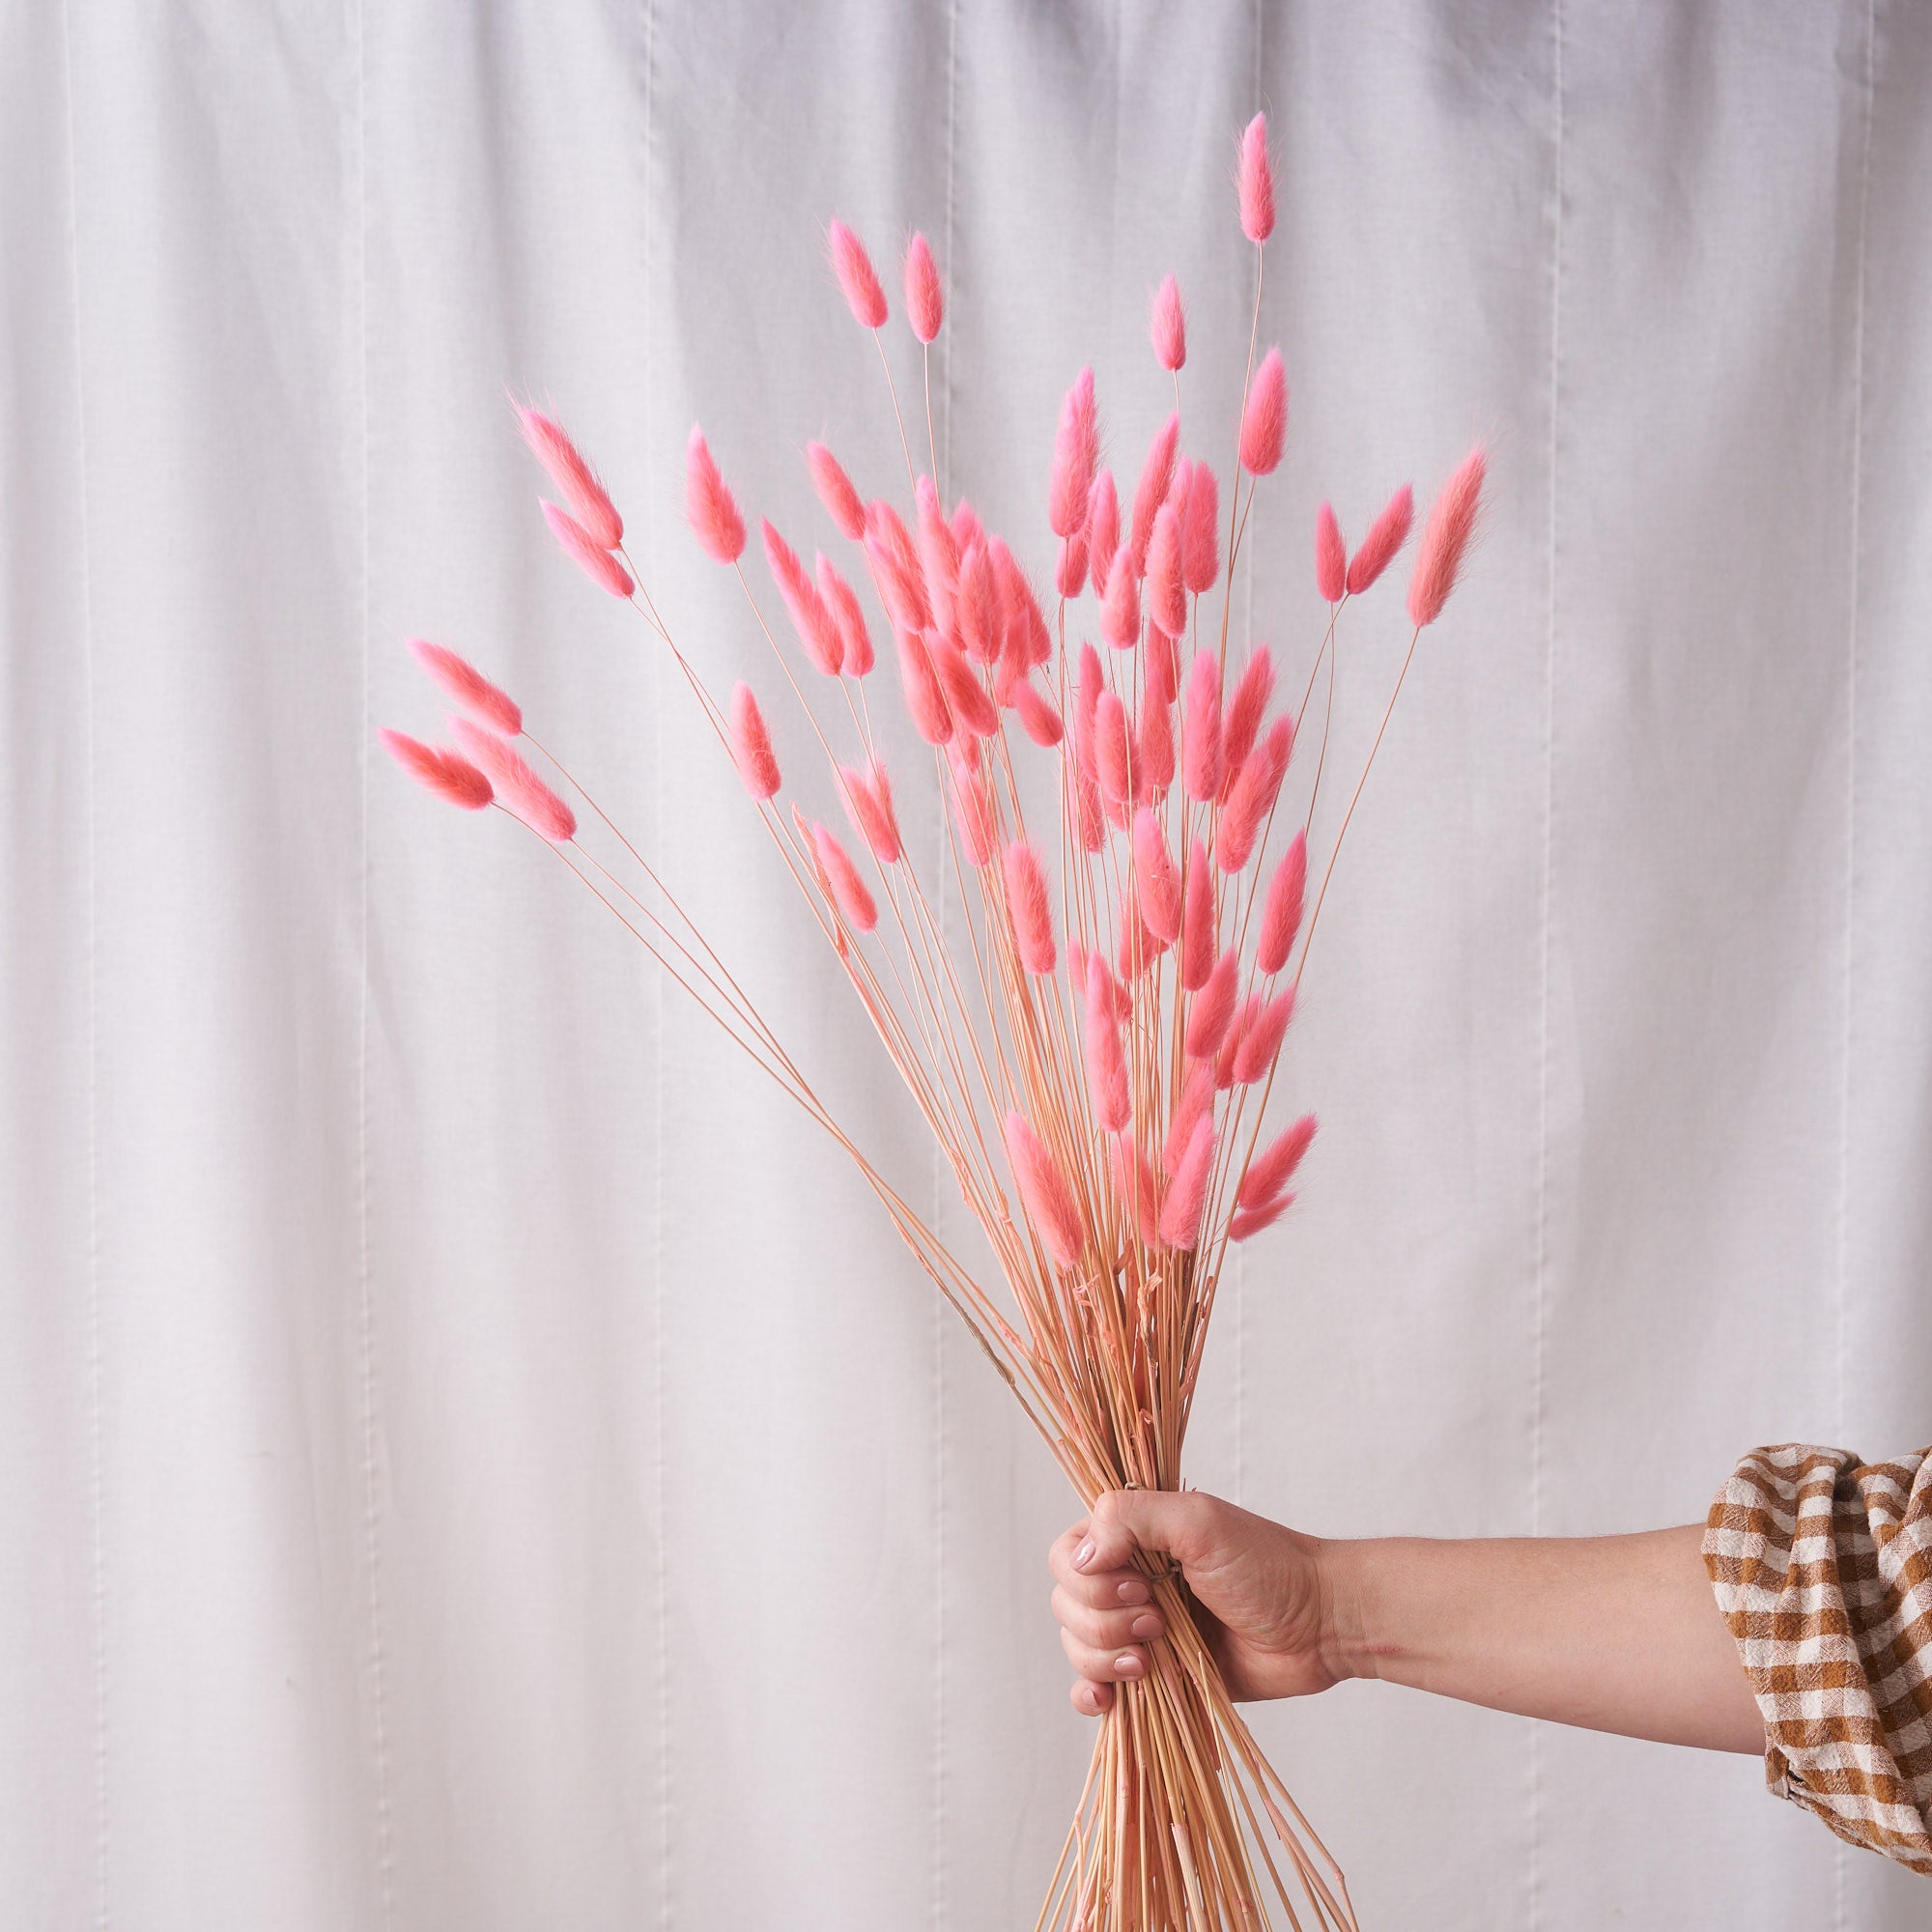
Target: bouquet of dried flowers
{"points": [[1097, 1044]]}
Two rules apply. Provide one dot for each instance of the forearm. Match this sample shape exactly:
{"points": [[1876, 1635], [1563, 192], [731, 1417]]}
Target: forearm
{"points": [[1611, 1633]]}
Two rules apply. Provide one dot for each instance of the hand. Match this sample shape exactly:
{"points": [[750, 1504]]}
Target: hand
{"points": [[1258, 1588]]}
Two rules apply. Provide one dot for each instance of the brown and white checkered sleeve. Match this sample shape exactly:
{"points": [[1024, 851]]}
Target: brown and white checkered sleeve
{"points": [[1823, 1568]]}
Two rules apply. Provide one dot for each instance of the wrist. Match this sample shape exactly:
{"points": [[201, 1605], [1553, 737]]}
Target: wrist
{"points": [[1345, 1574]]}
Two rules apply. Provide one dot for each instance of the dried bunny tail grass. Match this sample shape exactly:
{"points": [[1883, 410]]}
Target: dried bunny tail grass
{"points": [[751, 745], [1386, 536], [1274, 1167], [576, 481], [708, 504], [1281, 912], [1252, 800], [1196, 921], [1151, 491], [1156, 880], [1121, 606], [1138, 1187], [926, 302], [1090, 682], [1170, 325], [895, 567], [1103, 528], [1245, 711], [1156, 772], [868, 803], [1238, 1031], [1255, 1056], [834, 491], [849, 891], [971, 705], [1201, 765], [575, 543], [1248, 1222], [1112, 750], [1076, 455], [1039, 720], [471, 688], [1030, 908], [451, 778], [856, 641], [1027, 640], [816, 627], [1048, 1201], [979, 612], [938, 553], [1264, 421], [973, 812], [1089, 816], [516, 786], [1201, 529], [1331, 556], [1166, 586], [1069, 575], [1255, 181], [1214, 1009], [1187, 1192], [1195, 1105], [857, 280], [925, 699], [1106, 1060], [1445, 538]]}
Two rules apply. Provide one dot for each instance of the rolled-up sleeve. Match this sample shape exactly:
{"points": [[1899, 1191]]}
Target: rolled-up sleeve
{"points": [[1822, 1567]]}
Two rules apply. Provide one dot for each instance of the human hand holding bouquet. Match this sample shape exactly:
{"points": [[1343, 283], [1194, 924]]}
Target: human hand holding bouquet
{"points": [[1095, 1042]]}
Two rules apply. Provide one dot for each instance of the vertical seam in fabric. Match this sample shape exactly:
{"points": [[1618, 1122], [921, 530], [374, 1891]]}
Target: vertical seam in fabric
{"points": [[944, 483], [660, 1663], [1540, 1273], [365, 1282], [1852, 640], [96, 1374]]}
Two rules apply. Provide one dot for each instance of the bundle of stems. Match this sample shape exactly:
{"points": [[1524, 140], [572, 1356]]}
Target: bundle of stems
{"points": [[1099, 1077]]}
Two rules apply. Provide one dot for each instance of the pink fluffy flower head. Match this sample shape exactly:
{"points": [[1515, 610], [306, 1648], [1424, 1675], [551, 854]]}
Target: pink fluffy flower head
{"points": [[1445, 539], [1121, 606], [849, 891], [1201, 529], [1157, 879], [856, 657], [1274, 1167], [1187, 1192], [895, 567], [1201, 764], [1255, 178], [1029, 907], [1386, 536], [451, 778], [1281, 914], [470, 687], [1151, 491], [751, 745], [925, 304], [1076, 455], [596, 562], [816, 627], [1170, 325], [868, 803], [1331, 556], [1195, 1104], [1244, 818], [1264, 421], [516, 785], [925, 699], [576, 481], [1254, 1059], [1214, 1009], [1106, 1061], [1244, 719], [1050, 1203], [857, 280], [834, 491], [1103, 528], [1166, 587], [708, 504], [1198, 936]]}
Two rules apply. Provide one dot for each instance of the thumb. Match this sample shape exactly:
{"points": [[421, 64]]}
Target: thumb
{"points": [[1176, 1521]]}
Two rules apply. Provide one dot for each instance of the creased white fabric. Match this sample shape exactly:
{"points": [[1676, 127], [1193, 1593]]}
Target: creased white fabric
{"points": [[469, 1455]]}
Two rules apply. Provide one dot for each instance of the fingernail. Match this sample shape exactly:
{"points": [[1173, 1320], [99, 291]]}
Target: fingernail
{"points": [[1147, 1626], [1126, 1664], [1133, 1591], [1083, 1556]]}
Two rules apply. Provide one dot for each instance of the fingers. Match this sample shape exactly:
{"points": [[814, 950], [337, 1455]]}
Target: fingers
{"points": [[1104, 1667], [1182, 1522], [1090, 1700], [1097, 1587], [1108, 1630]]}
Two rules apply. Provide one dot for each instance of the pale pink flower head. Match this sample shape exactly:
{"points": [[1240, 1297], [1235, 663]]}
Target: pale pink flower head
{"points": [[966, 524], [1331, 556], [1264, 422], [925, 304], [1157, 879], [1038, 718], [1281, 915], [895, 567], [924, 698], [470, 687], [1274, 1167], [973, 709], [1103, 528], [1049, 1202], [1030, 909], [576, 481], [868, 803], [1251, 803], [451, 778], [1201, 529], [856, 658], [516, 785], [1187, 1192], [1166, 588], [1255, 178], [1155, 731], [1157, 480], [1121, 606], [834, 491], [1386, 536], [1196, 921], [979, 610], [849, 891], [1445, 539], [1245, 711], [1112, 750], [816, 627], [1076, 455], [1214, 1009], [1069, 577], [1254, 1059], [1201, 765], [1195, 1104], [751, 745], [1106, 1061], [1248, 1222], [1089, 683], [857, 280], [938, 553], [1170, 325], [708, 504], [596, 562]]}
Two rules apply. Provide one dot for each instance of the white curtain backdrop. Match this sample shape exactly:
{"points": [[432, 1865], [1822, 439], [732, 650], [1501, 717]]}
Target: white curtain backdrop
{"points": [[469, 1456]]}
